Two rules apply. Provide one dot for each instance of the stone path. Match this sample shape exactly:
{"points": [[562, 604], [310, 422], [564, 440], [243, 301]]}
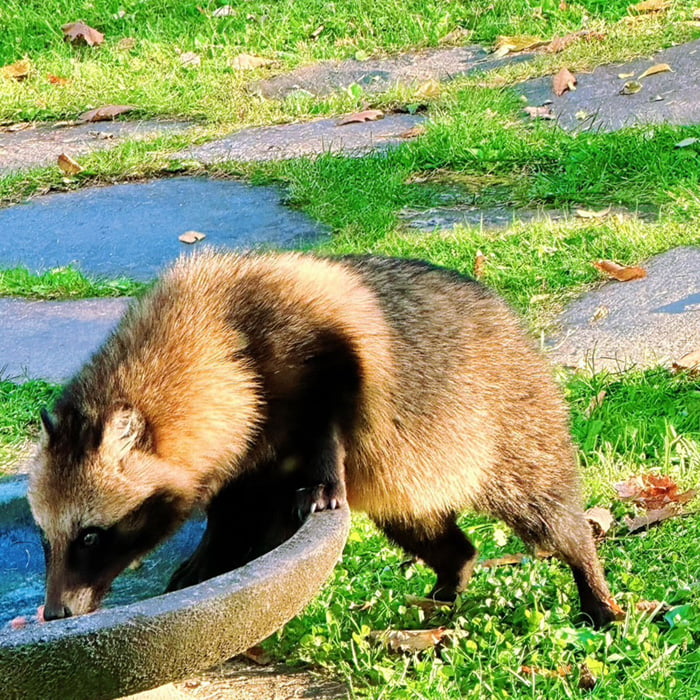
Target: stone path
{"points": [[642, 323], [597, 105], [41, 146], [308, 139], [378, 75], [132, 229]]}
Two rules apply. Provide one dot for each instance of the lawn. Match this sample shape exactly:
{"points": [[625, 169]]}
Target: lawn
{"points": [[477, 149]]}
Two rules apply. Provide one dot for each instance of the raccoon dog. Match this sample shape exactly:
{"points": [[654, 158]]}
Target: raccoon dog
{"points": [[250, 383]]}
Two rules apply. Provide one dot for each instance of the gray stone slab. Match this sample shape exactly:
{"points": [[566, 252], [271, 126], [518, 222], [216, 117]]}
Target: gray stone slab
{"points": [[426, 220], [132, 229], [309, 139], [670, 97], [378, 75], [642, 323], [41, 146], [52, 339]]}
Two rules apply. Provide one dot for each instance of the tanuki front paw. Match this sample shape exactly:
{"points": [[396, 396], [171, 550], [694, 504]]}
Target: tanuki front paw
{"points": [[327, 496]]}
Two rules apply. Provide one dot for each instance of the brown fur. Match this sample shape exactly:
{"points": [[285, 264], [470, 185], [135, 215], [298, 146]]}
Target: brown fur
{"points": [[415, 384]]}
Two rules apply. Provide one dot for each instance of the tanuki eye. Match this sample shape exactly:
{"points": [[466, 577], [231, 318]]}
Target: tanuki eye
{"points": [[90, 537]]}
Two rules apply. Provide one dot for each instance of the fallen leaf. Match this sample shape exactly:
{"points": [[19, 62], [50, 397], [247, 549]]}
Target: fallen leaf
{"points": [[687, 142], [544, 112], [479, 265], [369, 115], [246, 61], [189, 59], [68, 165], [688, 363], [505, 560], [624, 76], [561, 672], [629, 489], [428, 605], [77, 33], [223, 11], [429, 89], [622, 273], [105, 113], [413, 132], [581, 115], [257, 655], [652, 491], [126, 44], [653, 607], [652, 517], [564, 80], [653, 70], [650, 6], [17, 71], [456, 36], [410, 640], [191, 237], [19, 126], [57, 80], [560, 43], [600, 313], [631, 88], [512, 44], [601, 519], [586, 680], [318, 31], [591, 214]]}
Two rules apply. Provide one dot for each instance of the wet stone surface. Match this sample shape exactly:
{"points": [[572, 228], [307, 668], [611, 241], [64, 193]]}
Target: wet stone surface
{"points": [[41, 146], [378, 75], [642, 323], [309, 139], [597, 105], [51, 340], [132, 229]]}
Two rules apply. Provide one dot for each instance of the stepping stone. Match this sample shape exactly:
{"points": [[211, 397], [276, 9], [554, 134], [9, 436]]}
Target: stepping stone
{"points": [[644, 322], [132, 229], [670, 97], [41, 146], [378, 75], [309, 139], [427, 220], [52, 339]]}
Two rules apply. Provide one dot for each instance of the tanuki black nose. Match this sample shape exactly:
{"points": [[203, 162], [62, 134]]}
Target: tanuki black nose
{"points": [[56, 613]]}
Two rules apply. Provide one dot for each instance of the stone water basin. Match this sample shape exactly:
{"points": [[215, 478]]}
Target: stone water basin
{"points": [[138, 642]]}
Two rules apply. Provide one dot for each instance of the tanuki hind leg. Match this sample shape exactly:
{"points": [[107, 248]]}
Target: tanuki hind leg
{"points": [[444, 548]]}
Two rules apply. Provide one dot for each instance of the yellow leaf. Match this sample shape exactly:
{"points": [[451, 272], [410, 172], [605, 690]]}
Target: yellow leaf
{"points": [[512, 44], [658, 68], [68, 165], [431, 88], [17, 71]]}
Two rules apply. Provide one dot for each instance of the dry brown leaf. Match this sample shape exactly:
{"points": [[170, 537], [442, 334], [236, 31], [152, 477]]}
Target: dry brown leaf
{"points": [[624, 76], [505, 560], [479, 265], [413, 132], [564, 80], [596, 402], [257, 655], [562, 42], [18, 126], [429, 89], [17, 71], [126, 44], [369, 115], [57, 80], [318, 31], [688, 363], [77, 33], [191, 237], [68, 165], [561, 672], [653, 607], [190, 59], [586, 679], [622, 273], [650, 6], [410, 640], [653, 70], [601, 519], [105, 113], [512, 44], [652, 491], [246, 61], [652, 517], [629, 489], [544, 112]]}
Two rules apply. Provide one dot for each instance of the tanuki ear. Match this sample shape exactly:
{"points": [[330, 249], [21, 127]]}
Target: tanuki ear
{"points": [[123, 430], [48, 422]]}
